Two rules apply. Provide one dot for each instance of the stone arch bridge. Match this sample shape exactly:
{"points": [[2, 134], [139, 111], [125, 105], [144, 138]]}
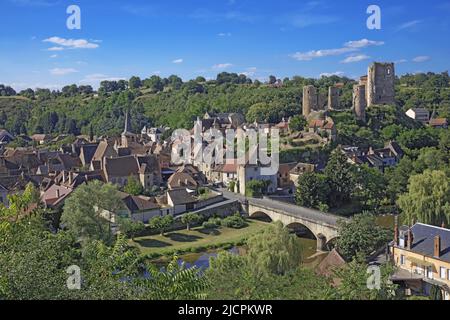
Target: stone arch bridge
{"points": [[322, 225]]}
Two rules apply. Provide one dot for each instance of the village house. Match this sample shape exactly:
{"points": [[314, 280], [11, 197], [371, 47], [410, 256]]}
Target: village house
{"points": [[138, 208], [380, 159], [14, 184], [5, 137], [284, 178], [249, 172], [226, 173], [181, 201], [41, 138], [144, 168], [419, 114], [300, 169], [86, 154], [104, 150], [323, 127], [422, 255], [187, 176], [55, 196], [439, 123], [283, 126], [154, 134]]}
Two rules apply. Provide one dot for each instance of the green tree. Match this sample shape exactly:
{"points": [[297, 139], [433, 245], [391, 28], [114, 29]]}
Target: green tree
{"points": [[256, 188], [313, 190], [161, 223], [175, 282], [133, 186], [360, 235], [270, 270], [370, 187], [354, 280], [134, 82], [341, 177], [427, 199], [83, 211], [391, 132], [190, 218], [130, 228], [274, 250], [398, 177], [298, 123]]}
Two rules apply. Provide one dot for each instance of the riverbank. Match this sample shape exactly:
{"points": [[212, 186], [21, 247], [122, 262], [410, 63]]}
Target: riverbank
{"points": [[196, 240]]}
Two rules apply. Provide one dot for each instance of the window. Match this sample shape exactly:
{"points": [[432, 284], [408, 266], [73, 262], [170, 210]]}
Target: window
{"points": [[430, 272], [443, 273], [448, 277], [402, 259]]}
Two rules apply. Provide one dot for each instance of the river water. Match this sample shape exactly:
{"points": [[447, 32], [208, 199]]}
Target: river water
{"points": [[310, 257]]}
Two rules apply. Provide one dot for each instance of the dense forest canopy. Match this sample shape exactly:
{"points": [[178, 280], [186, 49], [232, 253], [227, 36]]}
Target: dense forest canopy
{"points": [[176, 103]]}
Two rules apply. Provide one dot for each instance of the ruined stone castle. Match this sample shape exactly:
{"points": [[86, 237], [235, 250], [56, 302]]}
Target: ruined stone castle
{"points": [[314, 101], [378, 87]]}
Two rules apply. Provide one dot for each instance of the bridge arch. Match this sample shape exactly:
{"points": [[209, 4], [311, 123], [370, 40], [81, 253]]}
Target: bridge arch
{"points": [[262, 216], [322, 233]]}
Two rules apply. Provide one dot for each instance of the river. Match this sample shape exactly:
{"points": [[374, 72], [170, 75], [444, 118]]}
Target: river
{"points": [[309, 256]]}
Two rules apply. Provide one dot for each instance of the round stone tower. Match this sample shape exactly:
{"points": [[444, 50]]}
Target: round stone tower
{"points": [[359, 101], [309, 100]]}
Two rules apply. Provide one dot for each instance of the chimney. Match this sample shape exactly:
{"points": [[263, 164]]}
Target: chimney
{"points": [[396, 231], [437, 246], [410, 239]]}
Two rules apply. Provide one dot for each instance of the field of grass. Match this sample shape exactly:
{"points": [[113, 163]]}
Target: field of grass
{"points": [[183, 240]]}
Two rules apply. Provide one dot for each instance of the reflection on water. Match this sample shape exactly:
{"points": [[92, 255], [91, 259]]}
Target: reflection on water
{"points": [[388, 221]]}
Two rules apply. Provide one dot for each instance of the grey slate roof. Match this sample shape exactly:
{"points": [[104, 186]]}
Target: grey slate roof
{"points": [[424, 240], [180, 196]]}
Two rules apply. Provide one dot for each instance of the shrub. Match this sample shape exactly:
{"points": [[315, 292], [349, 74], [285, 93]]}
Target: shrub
{"points": [[212, 223], [235, 221]]}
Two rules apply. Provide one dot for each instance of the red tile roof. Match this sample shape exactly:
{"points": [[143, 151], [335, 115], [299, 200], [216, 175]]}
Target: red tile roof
{"points": [[438, 122]]}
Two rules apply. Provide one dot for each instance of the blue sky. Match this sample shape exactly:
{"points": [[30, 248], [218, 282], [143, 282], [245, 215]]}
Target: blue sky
{"points": [[192, 38]]}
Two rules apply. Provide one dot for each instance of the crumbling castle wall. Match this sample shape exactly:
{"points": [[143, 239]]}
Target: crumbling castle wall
{"points": [[380, 84]]}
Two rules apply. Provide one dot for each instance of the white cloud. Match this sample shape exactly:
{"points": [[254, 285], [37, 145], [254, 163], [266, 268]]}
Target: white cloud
{"points": [[355, 58], [55, 49], [409, 25], [97, 77], [177, 61], [222, 66], [249, 72], [421, 59], [363, 43], [400, 61], [224, 34], [54, 56], [307, 56], [62, 71], [70, 43], [348, 47], [329, 74]]}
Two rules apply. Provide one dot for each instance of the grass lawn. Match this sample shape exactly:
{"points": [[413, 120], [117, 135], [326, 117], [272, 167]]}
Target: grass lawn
{"points": [[197, 237]]}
